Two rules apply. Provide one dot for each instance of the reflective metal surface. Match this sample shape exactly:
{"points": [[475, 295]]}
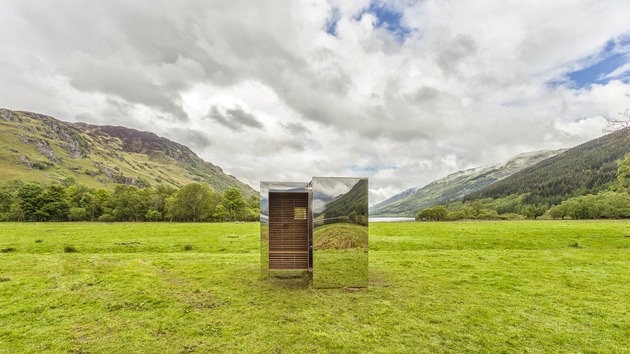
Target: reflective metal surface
{"points": [[339, 208], [265, 189], [337, 219]]}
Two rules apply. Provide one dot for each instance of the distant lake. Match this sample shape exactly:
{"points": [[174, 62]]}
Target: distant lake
{"points": [[392, 219]]}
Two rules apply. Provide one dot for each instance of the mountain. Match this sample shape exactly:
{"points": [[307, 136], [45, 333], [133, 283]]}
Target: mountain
{"points": [[585, 169], [352, 201], [454, 186], [39, 148]]}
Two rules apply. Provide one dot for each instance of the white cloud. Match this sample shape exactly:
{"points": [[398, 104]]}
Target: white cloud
{"points": [[469, 86], [583, 127], [620, 71]]}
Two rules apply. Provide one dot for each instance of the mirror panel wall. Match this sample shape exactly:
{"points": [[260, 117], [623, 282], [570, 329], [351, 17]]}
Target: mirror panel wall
{"points": [[339, 208]]}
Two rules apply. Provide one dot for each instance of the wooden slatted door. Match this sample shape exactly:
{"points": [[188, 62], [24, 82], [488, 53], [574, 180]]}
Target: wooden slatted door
{"points": [[288, 231]]}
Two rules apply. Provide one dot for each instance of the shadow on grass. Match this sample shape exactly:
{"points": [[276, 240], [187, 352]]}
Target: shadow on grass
{"points": [[289, 280]]}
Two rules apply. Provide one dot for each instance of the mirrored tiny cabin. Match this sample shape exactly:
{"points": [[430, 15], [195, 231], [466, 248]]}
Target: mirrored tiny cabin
{"points": [[319, 227]]}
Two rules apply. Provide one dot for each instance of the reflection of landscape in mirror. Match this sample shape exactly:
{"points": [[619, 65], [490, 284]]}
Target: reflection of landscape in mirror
{"points": [[264, 228], [340, 232]]}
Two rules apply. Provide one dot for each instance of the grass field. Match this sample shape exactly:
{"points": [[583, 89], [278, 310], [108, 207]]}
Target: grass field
{"points": [[526, 286]]}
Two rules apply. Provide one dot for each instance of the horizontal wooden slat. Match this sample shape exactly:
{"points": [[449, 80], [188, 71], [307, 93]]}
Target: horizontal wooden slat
{"points": [[288, 237], [288, 260]]}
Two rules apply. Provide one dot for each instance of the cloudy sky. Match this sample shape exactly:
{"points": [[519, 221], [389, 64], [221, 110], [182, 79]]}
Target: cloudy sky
{"points": [[402, 92]]}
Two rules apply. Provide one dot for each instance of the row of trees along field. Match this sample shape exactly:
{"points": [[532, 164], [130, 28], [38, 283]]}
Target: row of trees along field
{"points": [[613, 203], [58, 202]]}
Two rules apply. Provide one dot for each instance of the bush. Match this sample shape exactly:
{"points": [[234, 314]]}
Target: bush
{"points": [[188, 247], [106, 218], [456, 215], [487, 214], [436, 213], [153, 215], [559, 211], [70, 249], [534, 211], [510, 216], [78, 214]]}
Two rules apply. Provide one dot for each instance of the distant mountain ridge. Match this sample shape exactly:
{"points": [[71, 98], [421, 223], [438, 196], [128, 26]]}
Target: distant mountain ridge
{"points": [[456, 185], [587, 168], [40, 148]]}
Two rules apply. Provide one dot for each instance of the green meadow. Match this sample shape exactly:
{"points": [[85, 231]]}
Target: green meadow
{"points": [[504, 286]]}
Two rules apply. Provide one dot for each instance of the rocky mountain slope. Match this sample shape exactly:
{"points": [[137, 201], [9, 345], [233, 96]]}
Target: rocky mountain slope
{"points": [[455, 186], [39, 148]]}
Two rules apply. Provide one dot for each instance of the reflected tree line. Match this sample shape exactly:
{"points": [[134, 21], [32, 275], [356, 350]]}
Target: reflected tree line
{"points": [[357, 214], [352, 207], [194, 202]]}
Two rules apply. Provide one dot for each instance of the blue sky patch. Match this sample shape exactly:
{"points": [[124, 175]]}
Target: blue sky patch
{"points": [[613, 56], [331, 23], [388, 18], [369, 169]]}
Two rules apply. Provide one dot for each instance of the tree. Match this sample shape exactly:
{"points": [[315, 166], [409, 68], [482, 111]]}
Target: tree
{"points": [[36, 203], [78, 214], [233, 203], [559, 211], [220, 214], [253, 201], [194, 202], [127, 203], [76, 193], [436, 213], [153, 215], [98, 199], [252, 210], [54, 204], [6, 202], [534, 211], [578, 208], [622, 121], [613, 205], [29, 200], [456, 215], [623, 172]]}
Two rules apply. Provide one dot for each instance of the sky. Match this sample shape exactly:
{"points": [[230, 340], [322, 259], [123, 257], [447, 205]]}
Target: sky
{"points": [[402, 92]]}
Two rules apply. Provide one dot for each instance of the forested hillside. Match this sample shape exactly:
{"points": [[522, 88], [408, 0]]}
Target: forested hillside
{"points": [[587, 168], [351, 205], [612, 203], [590, 181], [456, 185]]}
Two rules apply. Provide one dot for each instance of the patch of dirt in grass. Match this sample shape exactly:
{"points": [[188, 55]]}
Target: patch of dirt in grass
{"points": [[202, 300]]}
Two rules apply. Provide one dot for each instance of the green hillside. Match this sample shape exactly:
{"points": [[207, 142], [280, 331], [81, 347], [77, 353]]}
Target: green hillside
{"points": [[39, 148], [351, 205], [585, 169], [455, 186]]}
